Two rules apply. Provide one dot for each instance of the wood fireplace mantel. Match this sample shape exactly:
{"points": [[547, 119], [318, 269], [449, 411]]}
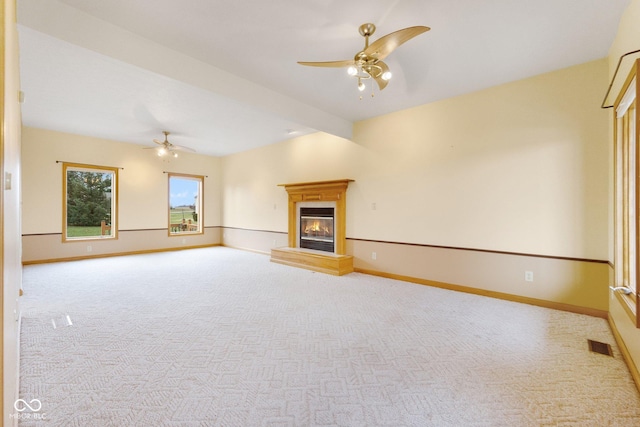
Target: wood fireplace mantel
{"points": [[320, 191]]}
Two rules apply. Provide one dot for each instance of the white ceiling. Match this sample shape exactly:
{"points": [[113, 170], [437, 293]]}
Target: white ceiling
{"points": [[222, 75]]}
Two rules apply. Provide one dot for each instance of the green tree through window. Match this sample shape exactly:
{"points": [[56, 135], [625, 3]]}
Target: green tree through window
{"points": [[90, 201]]}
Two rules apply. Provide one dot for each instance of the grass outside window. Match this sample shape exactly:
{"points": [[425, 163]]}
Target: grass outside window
{"points": [[185, 204]]}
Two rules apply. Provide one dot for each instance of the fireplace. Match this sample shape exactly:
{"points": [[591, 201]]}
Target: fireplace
{"points": [[317, 220], [316, 229]]}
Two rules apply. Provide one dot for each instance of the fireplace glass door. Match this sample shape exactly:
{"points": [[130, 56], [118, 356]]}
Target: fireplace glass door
{"points": [[316, 229]]}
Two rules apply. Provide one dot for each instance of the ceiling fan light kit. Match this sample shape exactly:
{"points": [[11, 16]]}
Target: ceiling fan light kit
{"points": [[163, 152], [166, 148], [367, 64]]}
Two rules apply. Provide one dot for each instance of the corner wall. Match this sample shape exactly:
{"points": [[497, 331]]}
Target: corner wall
{"points": [[143, 196], [471, 191], [10, 210]]}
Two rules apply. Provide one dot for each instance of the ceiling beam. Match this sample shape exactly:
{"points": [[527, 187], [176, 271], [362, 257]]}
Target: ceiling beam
{"points": [[74, 26]]}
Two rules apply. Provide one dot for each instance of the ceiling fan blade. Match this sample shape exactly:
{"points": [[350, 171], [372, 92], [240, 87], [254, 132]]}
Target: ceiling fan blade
{"points": [[382, 83], [336, 64], [181, 148], [158, 142], [386, 44]]}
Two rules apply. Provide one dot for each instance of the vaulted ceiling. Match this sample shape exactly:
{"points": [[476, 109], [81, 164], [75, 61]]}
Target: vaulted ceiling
{"points": [[222, 76]]}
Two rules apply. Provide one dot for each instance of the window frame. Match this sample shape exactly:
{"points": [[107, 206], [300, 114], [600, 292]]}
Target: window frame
{"points": [[66, 166], [199, 208], [627, 198]]}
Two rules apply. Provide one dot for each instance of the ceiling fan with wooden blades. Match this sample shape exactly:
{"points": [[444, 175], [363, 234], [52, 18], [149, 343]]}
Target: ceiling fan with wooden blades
{"points": [[166, 148], [368, 64]]}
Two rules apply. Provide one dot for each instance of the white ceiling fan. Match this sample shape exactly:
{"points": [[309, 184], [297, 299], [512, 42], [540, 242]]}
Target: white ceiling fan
{"points": [[165, 148]]}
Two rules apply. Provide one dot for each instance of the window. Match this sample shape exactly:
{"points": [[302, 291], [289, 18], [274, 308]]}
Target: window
{"points": [[90, 200], [626, 194], [185, 204]]}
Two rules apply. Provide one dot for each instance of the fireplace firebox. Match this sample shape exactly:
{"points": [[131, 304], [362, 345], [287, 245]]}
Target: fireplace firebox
{"points": [[316, 229]]}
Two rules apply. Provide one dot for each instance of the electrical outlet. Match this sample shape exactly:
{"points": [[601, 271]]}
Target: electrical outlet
{"points": [[528, 276], [374, 255], [274, 243], [184, 241], [89, 248], [373, 206]]}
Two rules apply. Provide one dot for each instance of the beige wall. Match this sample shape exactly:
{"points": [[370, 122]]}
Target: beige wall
{"points": [[627, 39], [143, 198], [515, 168], [11, 244]]}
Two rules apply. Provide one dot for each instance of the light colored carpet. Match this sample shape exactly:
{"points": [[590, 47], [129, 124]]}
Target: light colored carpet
{"points": [[221, 337]]}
